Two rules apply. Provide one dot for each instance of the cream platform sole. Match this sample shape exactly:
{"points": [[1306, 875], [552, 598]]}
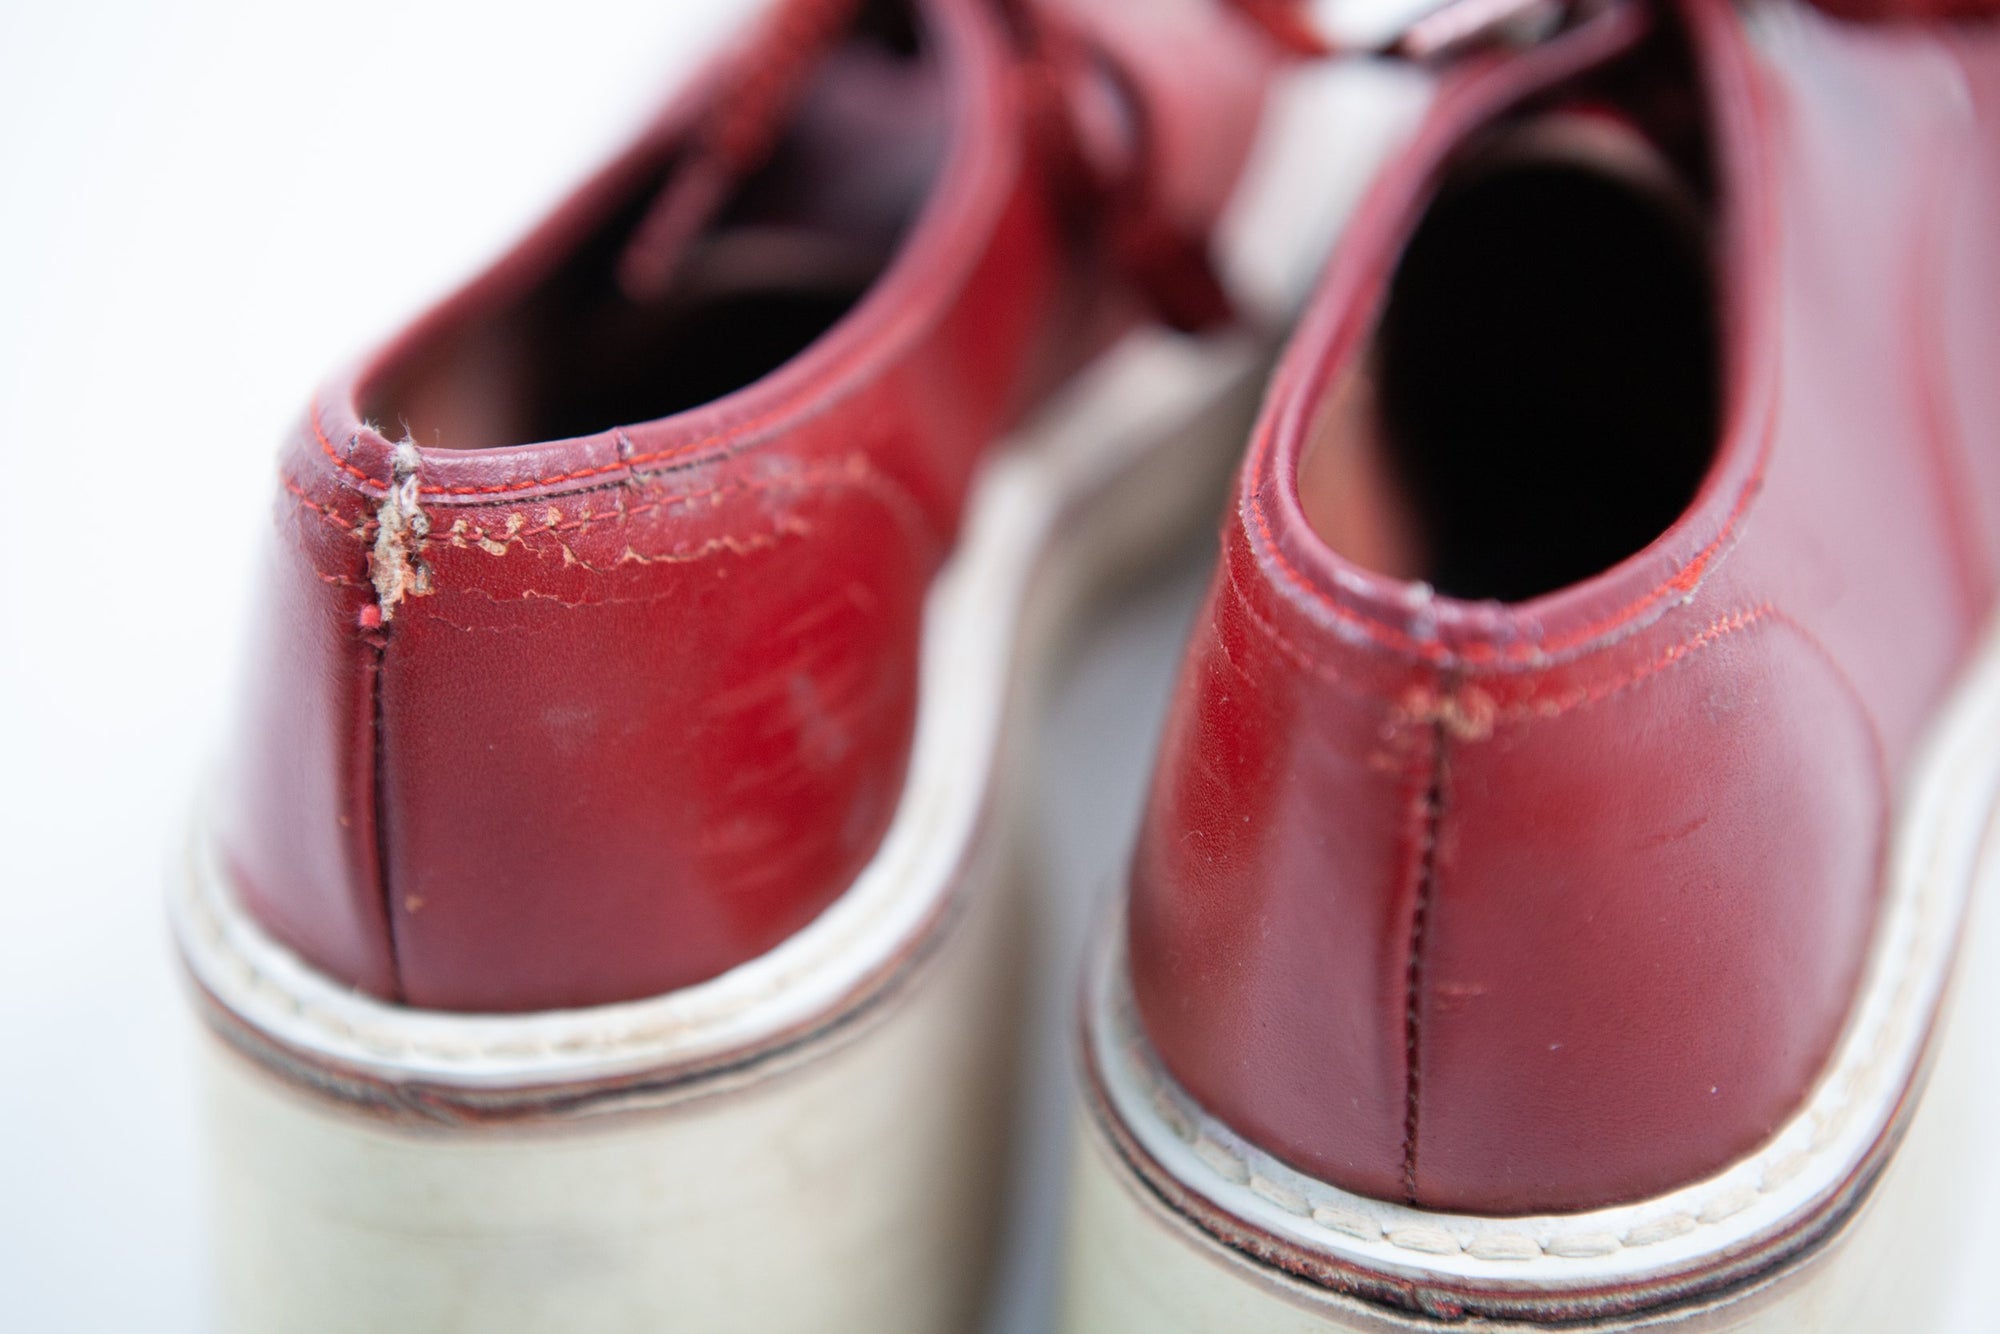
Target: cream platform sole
{"points": [[811, 1141], [1845, 1220]]}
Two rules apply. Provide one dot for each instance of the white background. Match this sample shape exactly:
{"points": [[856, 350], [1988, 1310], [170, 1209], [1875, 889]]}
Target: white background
{"points": [[204, 207]]}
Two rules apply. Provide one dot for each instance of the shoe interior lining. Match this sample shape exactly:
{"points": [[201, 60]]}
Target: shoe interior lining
{"points": [[1541, 398], [789, 252]]}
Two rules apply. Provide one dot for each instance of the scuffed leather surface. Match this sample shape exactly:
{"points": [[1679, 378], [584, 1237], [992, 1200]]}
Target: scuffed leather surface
{"points": [[651, 712], [1546, 906]]}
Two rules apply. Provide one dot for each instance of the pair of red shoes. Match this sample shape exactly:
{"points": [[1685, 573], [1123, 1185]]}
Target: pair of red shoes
{"points": [[1577, 779]]}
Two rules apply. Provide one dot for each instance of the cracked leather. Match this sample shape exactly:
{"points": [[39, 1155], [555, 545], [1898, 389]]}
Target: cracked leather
{"points": [[587, 720]]}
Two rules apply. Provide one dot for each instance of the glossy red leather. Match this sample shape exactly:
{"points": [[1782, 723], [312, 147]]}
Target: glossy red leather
{"points": [[1542, 906], [559, 723]]}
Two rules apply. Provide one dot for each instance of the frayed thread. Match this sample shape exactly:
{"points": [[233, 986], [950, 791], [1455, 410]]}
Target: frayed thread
{"points": [[396, 565]]}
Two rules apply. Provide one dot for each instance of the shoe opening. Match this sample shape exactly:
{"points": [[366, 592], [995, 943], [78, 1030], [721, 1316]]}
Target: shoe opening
{"points": [[697, 282], [1541, 397]]}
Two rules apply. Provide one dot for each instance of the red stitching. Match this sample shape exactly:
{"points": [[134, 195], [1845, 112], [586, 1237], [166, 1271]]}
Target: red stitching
{"points": [[1304, 661], [1684, 581], [855, 472], [635, 461], [461, 531], [1549, 706], [1761, 210], [1382, 634], [326, 447], [839, 380], [356, 527], [855, 469], [856, 370], [1554, 706]]}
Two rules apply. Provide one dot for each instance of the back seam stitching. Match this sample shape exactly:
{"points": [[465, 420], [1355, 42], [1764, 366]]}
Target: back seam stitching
{"points": [[1431, 818]]}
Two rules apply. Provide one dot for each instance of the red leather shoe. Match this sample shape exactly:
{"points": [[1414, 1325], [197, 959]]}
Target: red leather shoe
{"points": [[602, 908], [1582, 761]]}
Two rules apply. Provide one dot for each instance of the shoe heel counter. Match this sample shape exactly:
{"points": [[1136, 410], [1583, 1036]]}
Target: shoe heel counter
{"points": [[528, 752], [1423, 930], [641, 734], [1653, 889]]}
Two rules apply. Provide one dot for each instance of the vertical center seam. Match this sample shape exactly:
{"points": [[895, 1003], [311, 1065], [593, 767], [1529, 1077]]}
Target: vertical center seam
{"points": [[1431, 815]]}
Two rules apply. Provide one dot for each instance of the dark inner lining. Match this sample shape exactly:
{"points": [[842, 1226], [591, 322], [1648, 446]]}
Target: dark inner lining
{"points": [[790, 251], [1548, 369]]}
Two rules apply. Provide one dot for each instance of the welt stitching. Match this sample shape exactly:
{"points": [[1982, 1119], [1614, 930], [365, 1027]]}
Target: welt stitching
{"points": [[1183, 1119], [1188, 1122]]}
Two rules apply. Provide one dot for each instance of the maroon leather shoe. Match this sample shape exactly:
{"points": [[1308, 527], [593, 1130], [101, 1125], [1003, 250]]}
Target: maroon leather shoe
{"points": [[602, 905], [1582, 759]]}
